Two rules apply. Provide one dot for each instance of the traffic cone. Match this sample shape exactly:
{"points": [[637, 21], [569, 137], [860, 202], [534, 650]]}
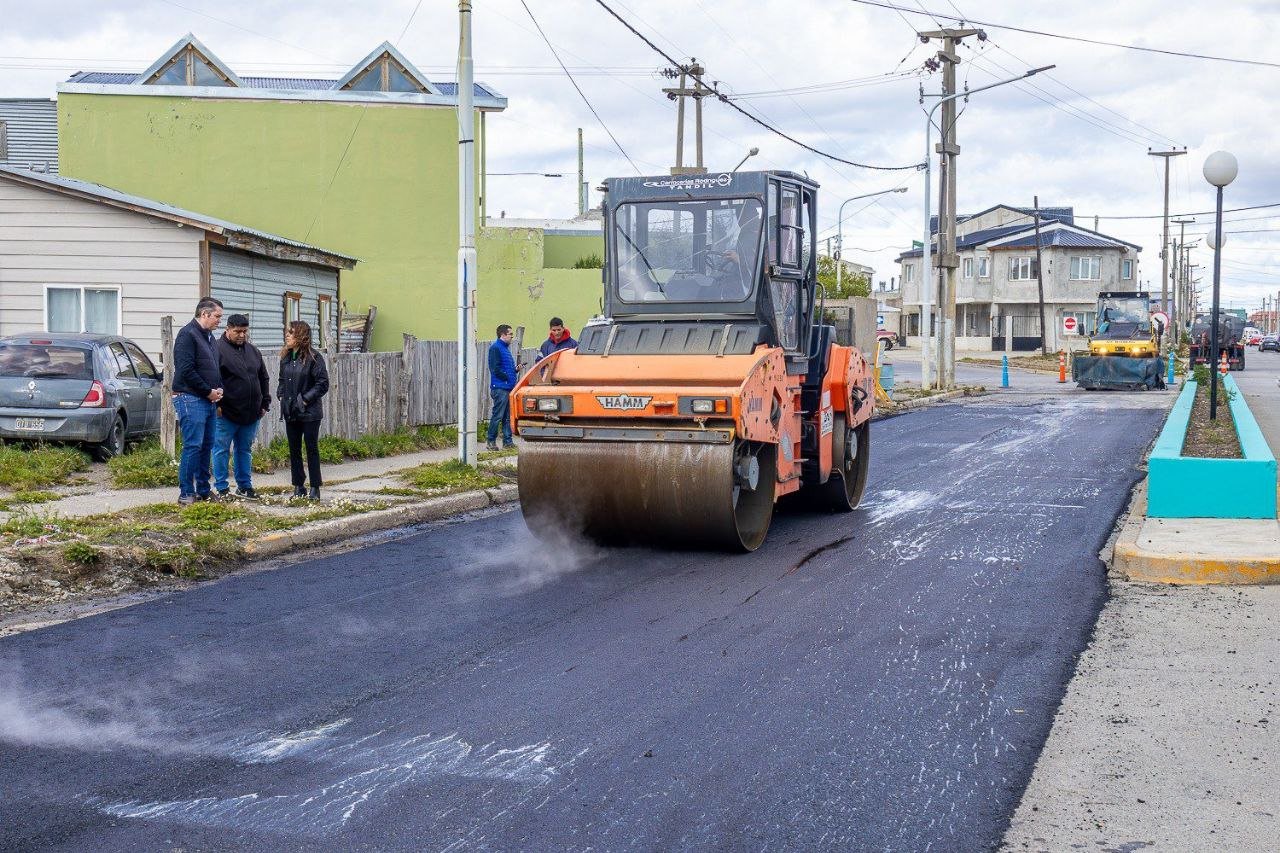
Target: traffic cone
{"points": [[1062, 366], [1222, 365]]}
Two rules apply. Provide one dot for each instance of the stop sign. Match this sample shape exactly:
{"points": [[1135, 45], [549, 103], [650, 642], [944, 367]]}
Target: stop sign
{"points": [[1069, 325]]}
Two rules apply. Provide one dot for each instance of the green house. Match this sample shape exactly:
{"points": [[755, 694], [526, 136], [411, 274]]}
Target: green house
{"points": [[365, 165]]}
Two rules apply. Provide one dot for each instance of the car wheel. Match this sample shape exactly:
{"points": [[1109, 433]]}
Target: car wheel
{"points": [[888, 343], [113, 445]]}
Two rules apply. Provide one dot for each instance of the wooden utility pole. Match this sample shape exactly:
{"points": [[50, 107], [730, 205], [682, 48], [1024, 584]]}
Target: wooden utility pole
{"points": [[1164, 244], [168, 418], [1176, 318], [947, 258], [678, 94], [1044, 330]]}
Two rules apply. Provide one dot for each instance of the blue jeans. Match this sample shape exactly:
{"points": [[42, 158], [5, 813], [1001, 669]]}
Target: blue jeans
{"points": [[501, 415], [227, 433], [195, 420]]}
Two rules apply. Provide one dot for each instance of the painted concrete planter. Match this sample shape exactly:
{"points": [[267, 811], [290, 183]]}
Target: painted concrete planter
{"points": [[1195, 487]]}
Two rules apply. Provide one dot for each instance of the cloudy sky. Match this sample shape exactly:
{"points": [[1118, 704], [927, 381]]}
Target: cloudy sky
{"points": [[839, 75]]}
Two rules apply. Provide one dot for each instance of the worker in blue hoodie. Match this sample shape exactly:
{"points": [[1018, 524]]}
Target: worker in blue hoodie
{"points": [[502, 378], [558, 339]]}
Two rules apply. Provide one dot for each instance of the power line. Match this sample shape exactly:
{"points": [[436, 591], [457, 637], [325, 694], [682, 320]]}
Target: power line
{"points": [[582, 94], [1199, 213], [1083, 39], [726, 100]]}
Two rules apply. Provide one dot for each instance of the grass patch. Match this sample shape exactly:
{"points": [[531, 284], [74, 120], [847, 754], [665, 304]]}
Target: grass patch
{"points": [[334, 450], [146, 467], [26, 467], [451, 475]]}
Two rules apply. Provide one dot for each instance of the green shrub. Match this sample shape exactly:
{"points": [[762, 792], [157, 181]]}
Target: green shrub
{"points": [[81, 554], [147, 466], [590, 262], [26, 467]]}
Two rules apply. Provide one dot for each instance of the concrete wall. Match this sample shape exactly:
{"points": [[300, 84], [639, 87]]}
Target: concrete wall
{"points": [[517, 287]]}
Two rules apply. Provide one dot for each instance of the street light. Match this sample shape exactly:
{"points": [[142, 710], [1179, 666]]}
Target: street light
{"points": [[926, 309], [753, 152], [1220, 169], [840, 228]]}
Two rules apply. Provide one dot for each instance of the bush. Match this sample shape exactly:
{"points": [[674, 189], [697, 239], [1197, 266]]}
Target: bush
{"points": [[590, 262], [81, 554], [26, 467], [147, 466]]}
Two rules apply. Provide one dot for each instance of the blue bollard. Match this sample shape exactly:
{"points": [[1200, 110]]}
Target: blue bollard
{"points": [[1170, 380], [1004, 371]]}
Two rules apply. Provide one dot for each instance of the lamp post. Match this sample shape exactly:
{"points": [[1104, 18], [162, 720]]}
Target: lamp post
{"points": [[926, 309], [840, 228], [1220, 169], [753, 152]]}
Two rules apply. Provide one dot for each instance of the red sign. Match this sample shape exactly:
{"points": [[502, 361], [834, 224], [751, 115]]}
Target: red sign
{"points": [[1069, 325]]}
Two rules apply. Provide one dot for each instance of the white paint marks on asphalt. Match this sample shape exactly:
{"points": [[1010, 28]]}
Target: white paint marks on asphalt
{"points": [[891, 503], [288, 744]]}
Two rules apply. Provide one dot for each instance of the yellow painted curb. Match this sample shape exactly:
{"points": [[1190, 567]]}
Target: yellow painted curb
{"points": [[1134, 563]]}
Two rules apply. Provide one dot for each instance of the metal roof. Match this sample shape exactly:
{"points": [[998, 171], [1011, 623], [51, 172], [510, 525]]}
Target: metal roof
{"points": [[1065, 238], [71, 186], [30, 133], [1055, 234], [287, 84]]}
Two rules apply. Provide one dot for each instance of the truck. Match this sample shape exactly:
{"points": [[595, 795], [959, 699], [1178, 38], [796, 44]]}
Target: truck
{"points": [[1230, 339]]}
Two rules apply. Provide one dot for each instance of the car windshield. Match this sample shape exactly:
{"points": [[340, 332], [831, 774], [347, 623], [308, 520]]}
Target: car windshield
{"points": [[1124, 311], [686, 251], [49, 361]]}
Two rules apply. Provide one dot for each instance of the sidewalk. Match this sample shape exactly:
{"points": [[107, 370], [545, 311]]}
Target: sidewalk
{"points": [[1169, 734]]}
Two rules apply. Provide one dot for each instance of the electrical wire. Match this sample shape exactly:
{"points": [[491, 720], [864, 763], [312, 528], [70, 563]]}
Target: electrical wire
{"points": [[714, 88], [1084, 39], [581, 93]]}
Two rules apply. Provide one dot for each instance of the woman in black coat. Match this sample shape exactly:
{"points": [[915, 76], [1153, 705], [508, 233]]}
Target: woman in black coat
{"points": [[303, 382]]}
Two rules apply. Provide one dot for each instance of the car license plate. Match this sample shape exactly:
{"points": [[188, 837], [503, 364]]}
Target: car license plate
{"points": [[32, 424]]}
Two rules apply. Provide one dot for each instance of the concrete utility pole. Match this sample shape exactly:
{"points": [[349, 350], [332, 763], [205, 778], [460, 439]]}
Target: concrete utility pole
{"points": [[1179, 299], [467, 408], [582, 181], [1044, 330], [1164, 244], [947, 258], [678, 94]]}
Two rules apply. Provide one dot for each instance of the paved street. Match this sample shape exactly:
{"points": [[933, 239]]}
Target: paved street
{"points": [[882, 680]]}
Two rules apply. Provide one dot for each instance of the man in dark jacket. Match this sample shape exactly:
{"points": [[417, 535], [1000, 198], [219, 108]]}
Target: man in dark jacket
{"points": [[246, 397], [197, 389], [502, 378], [558, 339]]}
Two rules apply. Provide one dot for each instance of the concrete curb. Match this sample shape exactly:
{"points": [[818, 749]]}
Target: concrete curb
{"points": [[921, 402], [1052, 371], [335, 529], [1133, 562]]}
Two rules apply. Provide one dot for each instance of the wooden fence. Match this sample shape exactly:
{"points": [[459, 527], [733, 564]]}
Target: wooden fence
{"points": [[373, 392]]}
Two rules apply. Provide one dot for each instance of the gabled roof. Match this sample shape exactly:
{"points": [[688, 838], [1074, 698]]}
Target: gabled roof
{"points": [[189, 41], [1055, 214], [238, 236], [1055, 234], [400, 59]]}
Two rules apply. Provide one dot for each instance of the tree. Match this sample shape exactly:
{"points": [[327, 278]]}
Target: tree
{"points": [[851, 283]]}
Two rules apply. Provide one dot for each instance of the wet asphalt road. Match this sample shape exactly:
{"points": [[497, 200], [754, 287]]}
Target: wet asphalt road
{"points": [[468, 688]]}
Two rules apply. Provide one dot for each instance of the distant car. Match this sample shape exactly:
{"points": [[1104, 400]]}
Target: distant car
{"points": [[1253, 340], [1270, 342], [98, 390], [890, 339]]}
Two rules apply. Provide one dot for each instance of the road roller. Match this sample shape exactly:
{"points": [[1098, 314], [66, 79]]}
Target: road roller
{"points": [[1124, 350], [709, 388]]}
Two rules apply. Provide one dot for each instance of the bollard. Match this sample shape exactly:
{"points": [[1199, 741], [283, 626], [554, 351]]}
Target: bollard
{"points": [[1222, 364], [1062, 366], [1004, 371], [1170, 380]]}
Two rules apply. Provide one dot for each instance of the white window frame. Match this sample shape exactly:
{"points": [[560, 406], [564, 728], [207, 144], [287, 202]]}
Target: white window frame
{"points": [[984, 266], [44, 303], [1077, 271], [908, 273], [1126, 269], [324, 306], [1021, 264], [968, 268]]}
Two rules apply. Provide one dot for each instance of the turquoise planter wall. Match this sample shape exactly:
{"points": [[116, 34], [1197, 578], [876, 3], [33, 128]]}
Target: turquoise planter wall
{"points": [[1194, 487]]}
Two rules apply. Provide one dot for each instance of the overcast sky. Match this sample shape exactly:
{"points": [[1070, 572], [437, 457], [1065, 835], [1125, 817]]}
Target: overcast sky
{"points": [[1079, 137]]}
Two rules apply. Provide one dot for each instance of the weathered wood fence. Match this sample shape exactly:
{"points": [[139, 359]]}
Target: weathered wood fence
{"points": [[373, 392]]}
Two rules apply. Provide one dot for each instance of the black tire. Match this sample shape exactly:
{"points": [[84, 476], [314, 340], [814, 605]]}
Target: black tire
{"points": [[851, 457], [113, 445], [888, 344]]}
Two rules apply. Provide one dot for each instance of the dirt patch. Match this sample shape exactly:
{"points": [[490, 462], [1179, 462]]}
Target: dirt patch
{"points": [[1214, 439]]}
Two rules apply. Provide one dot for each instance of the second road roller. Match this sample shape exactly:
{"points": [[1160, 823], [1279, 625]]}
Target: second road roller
{"points": [[710, 387]]}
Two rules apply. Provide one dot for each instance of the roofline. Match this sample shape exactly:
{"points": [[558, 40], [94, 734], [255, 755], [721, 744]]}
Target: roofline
{"points": [[388, 48], [1055, 224], [181, 44], [236, 236], [494, 103]]}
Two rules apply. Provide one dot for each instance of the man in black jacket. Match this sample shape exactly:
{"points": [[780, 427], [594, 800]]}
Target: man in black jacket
{"points": [[197, 389], [246, 397]]}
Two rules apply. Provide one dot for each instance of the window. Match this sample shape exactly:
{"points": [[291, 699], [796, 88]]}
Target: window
{"points": [[908, 272], [791, 230], [292, 308], [82, 309], [189, 67], [1088, 268], [384, 74], [4, 141], [1126, 268], [146, 370], [124, 370], [324, 315], [1023, 268], [968, 268], [984, 267]]}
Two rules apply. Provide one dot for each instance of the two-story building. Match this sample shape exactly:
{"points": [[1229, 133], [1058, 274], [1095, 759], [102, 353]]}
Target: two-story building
{"points": [[998, 276]]}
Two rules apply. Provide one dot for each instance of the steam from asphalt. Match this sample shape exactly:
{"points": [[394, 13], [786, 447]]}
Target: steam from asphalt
{"points": [[524, 563]]}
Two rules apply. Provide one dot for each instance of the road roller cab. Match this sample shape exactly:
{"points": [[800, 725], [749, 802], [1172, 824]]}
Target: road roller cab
{"points": [[709, 388]]}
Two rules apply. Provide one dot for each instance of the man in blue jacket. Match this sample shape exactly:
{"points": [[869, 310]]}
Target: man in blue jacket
{"points": [[197, 389], [558, 339], [502, 378]]}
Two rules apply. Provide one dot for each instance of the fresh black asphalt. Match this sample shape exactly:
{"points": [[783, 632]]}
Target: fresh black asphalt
{"points": [[882, 680]]}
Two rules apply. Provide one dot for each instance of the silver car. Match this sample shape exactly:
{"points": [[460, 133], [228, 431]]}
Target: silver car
{"points": [[98, 390]]}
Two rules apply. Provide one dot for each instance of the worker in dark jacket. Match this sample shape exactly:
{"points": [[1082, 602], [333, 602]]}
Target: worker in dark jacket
{"points": [[502, 378], [197, 389], [303, 381], [558, 339], [246, 396]]}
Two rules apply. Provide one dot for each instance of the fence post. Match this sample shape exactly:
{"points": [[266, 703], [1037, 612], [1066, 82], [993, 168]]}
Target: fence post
{"points": [[168, 423], [407, 349]]}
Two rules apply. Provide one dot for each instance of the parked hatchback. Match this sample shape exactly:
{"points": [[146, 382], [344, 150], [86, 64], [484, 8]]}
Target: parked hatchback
{"points": [[98, 390]]}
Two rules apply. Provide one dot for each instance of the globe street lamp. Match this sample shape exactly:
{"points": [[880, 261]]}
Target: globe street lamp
{"points": [[1220, 169], [840, 228]]}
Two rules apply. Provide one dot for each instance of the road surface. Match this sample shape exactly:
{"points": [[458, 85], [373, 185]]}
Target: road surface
{"points": [[881, 680]]}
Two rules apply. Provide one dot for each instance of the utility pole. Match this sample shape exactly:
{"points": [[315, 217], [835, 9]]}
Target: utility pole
{"points": [[678, 94], [467, 408], [1164, 244], [947, 259], [1179, 300], [1044, 330], [582, 181]]}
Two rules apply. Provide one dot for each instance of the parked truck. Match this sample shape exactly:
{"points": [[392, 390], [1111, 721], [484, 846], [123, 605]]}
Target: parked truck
{"points": [[1230, 339]]}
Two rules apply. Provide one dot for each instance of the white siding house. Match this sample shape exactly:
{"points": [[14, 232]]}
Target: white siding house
{"points": [[79, 257]]}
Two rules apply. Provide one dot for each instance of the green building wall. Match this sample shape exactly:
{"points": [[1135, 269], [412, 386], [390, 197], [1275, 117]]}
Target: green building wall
{"points": [[378, 182], [516, 286]]}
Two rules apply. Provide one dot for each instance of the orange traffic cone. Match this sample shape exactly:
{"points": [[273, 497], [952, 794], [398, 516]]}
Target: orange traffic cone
{"points": [[1062, 366], [1222, 365]]}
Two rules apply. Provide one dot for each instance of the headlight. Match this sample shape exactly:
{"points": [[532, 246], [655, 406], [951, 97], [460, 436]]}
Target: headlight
{"points": [[548, 404], [705, 405]]}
